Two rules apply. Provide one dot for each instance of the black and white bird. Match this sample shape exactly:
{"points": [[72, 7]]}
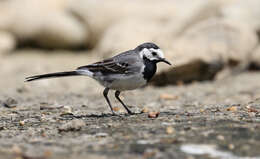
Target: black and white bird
{"points": [[126, 71]]}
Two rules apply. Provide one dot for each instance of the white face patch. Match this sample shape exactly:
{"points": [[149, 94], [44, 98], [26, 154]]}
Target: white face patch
{"points": [[152, 54], [158, 51]]}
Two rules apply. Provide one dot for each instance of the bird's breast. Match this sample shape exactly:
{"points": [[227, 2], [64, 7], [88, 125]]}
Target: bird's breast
{"points": [[128, 82]]}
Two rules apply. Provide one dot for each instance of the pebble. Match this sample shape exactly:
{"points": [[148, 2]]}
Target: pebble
{"points": [[153, 114], [101, 135], [165, 96], [233, 109], [116, 109], [170, 130], [66, 110], [9, 103], [74, 125], [221, 137], [145, 110], [21, 123], [202, 110], [145, 142], [231, 146], [252, 110], [168, 124]]}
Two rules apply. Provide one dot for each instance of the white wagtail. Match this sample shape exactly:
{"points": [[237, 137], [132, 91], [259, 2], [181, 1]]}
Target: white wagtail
{"points": [[127, 71]]}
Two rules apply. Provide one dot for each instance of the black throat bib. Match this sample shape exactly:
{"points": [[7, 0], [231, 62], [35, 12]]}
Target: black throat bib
{"points": [[149, 69]]}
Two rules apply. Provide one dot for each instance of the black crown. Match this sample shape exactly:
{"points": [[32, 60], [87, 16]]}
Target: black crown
{"points": [[147, 45]]}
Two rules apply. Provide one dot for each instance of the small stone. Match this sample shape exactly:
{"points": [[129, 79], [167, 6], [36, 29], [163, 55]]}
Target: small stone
{"points": [[121, 97], [202, 110], [165, 96], [169, 130], [169, 140], [233, 109], [153, 114], [43, 134], [66, 110], [145, 110], [215, 110], [101, 135], [146, 142], [74, 125], [116, 109], [221, 137], [252, 110], [231, 146], [9, 103], [21, 123]]}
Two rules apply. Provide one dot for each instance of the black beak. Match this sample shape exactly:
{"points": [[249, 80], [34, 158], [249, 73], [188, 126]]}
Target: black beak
{"points": [[165, 61]]}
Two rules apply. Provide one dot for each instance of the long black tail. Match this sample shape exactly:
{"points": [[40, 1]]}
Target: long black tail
{"points": [[52, 75]]}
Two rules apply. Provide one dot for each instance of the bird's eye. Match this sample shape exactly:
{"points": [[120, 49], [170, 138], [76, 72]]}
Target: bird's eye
{"points": [[154, 53]]}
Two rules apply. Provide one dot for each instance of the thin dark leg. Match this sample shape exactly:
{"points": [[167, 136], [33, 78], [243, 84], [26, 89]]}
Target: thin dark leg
{"points": [[117, 97], [105, 92]]}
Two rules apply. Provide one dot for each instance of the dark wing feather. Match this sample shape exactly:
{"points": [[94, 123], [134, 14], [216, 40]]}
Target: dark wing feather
{"points": [[120, 64], [106, 67]]}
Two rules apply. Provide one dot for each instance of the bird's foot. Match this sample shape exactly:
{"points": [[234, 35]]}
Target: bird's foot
{"points": [[114, 114], [130, 113]]}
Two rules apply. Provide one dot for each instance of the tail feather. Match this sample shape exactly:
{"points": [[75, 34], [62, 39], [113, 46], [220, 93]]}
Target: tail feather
{"points": [[52, 75]]}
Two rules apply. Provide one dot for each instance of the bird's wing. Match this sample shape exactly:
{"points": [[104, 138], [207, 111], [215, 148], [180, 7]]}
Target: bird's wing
{"points": [[125, 63]]}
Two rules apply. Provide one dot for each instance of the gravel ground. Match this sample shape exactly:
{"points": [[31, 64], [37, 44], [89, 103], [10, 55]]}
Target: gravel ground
{"points": [[69, 118]]}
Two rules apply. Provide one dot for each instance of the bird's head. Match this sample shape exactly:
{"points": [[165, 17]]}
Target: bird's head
{"points": [[151, 52]]}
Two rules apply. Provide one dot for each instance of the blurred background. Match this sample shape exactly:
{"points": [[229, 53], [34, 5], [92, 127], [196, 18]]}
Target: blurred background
{"points": [[201, 38], [209, 96]]}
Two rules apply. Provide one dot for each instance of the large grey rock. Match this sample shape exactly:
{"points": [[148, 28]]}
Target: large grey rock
{"points": [[131, 22], [69, 23], [7, 42], [214, 39], [247, 12], [129, 33], [211, 44], [47, 23]]}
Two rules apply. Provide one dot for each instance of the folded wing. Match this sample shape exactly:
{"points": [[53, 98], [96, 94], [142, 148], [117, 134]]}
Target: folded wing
{"points": [[126, 63]]}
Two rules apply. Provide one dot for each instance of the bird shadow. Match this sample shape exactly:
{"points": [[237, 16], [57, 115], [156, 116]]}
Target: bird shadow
{"points": [[110, 115], [105, 115]]}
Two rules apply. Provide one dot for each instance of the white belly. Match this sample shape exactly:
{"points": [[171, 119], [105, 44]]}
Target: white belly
{"points": [[126, 83]]}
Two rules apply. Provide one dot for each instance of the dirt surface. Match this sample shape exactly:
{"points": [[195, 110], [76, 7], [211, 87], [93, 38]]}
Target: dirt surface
{"points": [[69, 118]]}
